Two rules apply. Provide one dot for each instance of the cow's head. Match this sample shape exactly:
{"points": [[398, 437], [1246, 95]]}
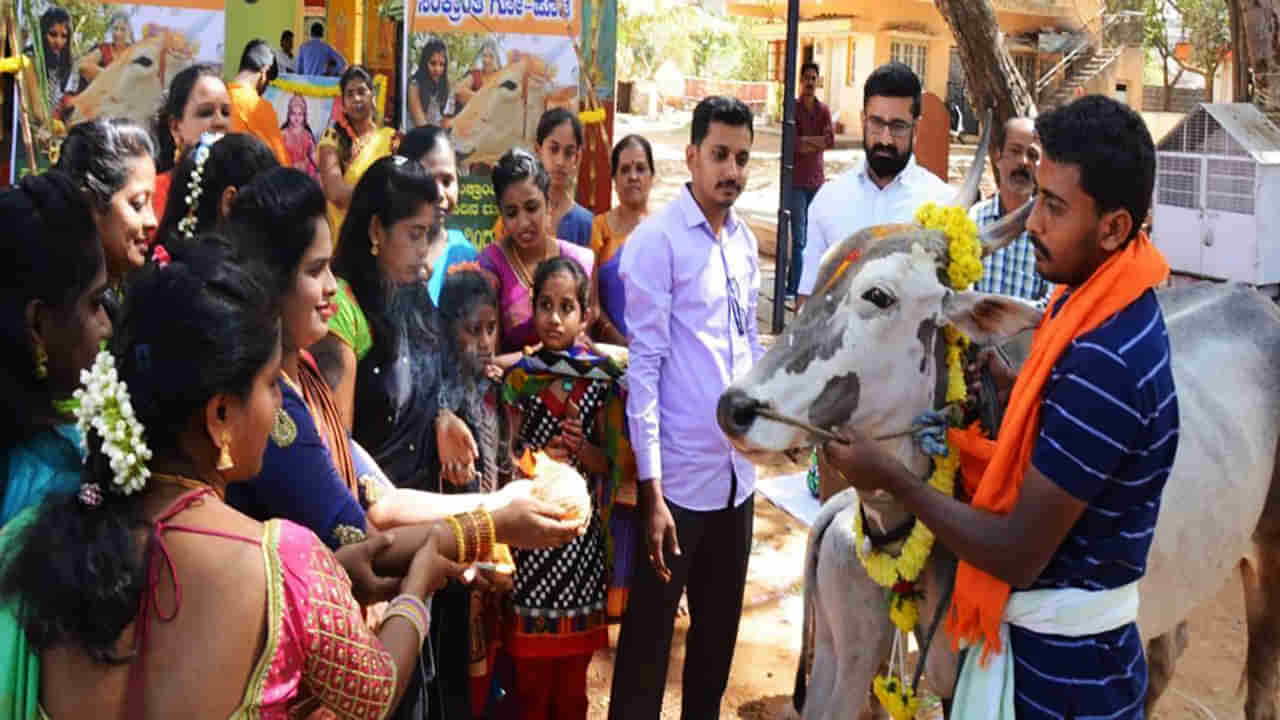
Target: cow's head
{"points": [[504, 112], [133, 85], [867, 348]]}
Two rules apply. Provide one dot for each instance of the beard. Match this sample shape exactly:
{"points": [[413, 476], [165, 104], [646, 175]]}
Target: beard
{"points": [[887, 165]]}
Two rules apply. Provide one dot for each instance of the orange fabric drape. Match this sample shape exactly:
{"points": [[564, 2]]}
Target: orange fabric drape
{"points": [[979, 600]]}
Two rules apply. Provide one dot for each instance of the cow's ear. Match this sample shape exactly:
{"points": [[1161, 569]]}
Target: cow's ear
{"points": [[987, 318]]}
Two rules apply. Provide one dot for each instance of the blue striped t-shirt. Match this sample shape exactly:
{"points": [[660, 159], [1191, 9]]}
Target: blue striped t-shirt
{"points": [[1108, 434]]}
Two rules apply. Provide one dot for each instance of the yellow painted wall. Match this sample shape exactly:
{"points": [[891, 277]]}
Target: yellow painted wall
{"points": [[345, 28], [264, 19]]}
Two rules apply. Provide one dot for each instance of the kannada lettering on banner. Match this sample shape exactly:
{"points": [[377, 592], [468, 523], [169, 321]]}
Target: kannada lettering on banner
{"points": [[477, 210], [557, 13], [108, 59]]}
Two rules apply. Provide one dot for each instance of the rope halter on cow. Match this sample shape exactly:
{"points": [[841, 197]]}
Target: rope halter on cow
{"points": [[900, 574]]}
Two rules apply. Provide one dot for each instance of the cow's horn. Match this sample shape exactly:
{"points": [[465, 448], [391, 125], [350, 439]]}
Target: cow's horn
{"points": [[968, 193], [1002, 232]]}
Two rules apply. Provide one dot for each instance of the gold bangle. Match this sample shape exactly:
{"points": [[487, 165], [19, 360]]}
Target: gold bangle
{"points": [[459, 537], [484, 524], [407, 614], [474, 536], [469, 530]]}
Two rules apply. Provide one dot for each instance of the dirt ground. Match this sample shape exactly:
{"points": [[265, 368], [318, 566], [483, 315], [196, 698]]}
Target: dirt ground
{"points": [[760, 687]]}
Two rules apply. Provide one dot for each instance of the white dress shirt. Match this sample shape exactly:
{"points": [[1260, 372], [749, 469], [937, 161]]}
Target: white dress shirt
{"points": [[852, 202]]}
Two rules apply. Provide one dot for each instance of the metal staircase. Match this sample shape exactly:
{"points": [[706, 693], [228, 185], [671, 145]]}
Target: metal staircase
{"points": [[1088, 66], [1084, 62]]}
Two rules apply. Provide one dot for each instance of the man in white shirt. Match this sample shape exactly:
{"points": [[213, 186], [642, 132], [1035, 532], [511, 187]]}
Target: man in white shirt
{"points": [[890, 186], [284, 53]]}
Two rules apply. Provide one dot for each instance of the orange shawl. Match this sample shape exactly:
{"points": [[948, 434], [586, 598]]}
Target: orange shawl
{"points": [[993, 470]]}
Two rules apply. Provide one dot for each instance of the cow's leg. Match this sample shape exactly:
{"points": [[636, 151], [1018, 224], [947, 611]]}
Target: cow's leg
{"points": [[1260, 573], [1261, 576], [822, 678], [861, 631], [1162, 656]]}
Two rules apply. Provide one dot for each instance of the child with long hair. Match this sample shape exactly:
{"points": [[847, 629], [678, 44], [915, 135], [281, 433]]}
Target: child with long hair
{"points": [[466, 621], [430, 102], [55, 38], [569, 405]]}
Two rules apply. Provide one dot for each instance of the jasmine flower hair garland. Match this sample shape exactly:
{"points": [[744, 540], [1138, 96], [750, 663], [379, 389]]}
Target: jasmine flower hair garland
{"points": [[104, 407], [187, 226]]}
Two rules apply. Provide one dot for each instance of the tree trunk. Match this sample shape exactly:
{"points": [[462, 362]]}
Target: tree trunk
{"points": [[1168, 89], [1239, 66], [1257, 48], [991, 79]]}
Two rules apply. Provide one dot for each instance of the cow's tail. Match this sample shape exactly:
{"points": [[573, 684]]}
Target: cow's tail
{"points": [[826, 515]]}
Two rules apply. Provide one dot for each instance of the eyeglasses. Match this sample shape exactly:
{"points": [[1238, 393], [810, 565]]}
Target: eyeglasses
{"points": [[897, 128]]}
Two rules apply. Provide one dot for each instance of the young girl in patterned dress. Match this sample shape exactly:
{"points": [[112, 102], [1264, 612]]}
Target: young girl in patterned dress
{"points": [[557, 618]]}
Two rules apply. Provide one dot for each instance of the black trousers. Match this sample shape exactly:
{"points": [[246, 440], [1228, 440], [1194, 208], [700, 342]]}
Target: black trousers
{"points": [[712, 568]]}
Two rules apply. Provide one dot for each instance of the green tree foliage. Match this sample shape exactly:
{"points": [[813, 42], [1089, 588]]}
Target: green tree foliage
{"points": [[1206, 24], [699, 42], [1155, 37]]}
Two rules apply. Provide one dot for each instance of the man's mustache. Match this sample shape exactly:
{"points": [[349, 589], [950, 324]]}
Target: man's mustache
{"points": [[891, 150], [1022, 172], [1039, 246], [729, 184]]}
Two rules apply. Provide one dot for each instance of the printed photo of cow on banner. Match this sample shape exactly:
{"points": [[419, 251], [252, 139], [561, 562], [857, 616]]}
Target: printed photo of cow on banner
{"points": [[487, 71], [105, 59], [489, 89]]}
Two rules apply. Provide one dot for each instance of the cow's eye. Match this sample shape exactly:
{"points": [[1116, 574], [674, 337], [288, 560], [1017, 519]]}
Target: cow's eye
{"points": [[878, 297], [509, 85], [144, 61]]}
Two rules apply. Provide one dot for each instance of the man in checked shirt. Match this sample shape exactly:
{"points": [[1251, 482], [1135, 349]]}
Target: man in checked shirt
{"points": [[1011, 270]]}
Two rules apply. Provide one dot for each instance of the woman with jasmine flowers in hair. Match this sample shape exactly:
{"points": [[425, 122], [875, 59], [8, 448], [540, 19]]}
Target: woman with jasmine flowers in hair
{"points": [[206, 180], [178, 409]]}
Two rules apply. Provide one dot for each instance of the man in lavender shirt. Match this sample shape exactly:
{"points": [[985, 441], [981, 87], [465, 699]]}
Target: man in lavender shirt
{"points": [[692, 276]]}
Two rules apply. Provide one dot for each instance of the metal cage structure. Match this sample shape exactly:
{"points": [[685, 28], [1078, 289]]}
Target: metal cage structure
{"points": [[1217, 199]]}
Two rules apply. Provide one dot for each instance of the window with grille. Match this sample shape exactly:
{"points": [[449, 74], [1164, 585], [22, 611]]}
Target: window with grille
{"points": [[912, 54], [1026, 64], [777, 59], [1178, 183], [1230, 185]]}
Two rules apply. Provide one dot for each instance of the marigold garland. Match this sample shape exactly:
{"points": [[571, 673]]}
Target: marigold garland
{"points": [[899, 574]]}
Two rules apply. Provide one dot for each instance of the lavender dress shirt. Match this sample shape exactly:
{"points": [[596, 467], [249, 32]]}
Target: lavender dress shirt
{"points": [[689, 341]]}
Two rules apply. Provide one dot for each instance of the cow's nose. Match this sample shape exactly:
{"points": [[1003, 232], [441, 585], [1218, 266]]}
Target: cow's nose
{"points": [[736, 411]]}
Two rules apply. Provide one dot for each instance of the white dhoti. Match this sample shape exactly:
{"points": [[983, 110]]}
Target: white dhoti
{"points": [[986, 692]]}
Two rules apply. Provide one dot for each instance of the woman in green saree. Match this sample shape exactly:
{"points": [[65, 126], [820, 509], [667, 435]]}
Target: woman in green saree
{"points": [[52, 283]]}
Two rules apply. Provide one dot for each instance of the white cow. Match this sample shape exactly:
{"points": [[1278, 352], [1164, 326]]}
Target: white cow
{"points": [[846, 361]]}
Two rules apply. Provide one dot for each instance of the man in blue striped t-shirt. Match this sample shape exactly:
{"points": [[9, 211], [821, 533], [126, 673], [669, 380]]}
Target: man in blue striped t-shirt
{"points": [[1081, 527]]}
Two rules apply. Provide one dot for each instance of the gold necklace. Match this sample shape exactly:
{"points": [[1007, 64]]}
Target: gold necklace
{"points": [[180, 481], [522, 270]]}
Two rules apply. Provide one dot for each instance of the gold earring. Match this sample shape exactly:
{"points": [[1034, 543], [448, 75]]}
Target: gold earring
{"points": [[224, 458], [42, 362], [373, 246]]}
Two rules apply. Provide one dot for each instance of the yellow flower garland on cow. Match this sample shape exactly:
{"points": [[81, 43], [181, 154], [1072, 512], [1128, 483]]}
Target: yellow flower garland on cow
{"points": [[899, 574]]}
